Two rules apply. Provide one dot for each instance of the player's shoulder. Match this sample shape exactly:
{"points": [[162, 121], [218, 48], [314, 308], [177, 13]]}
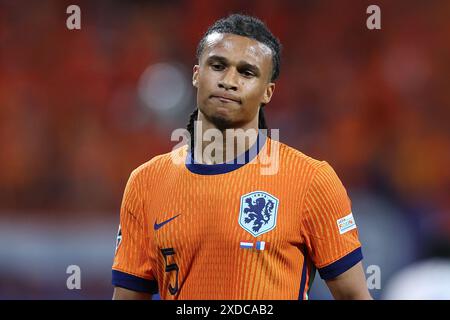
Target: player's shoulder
{"points": [[160, 164], [308, 169], [321, 172], [300, 159]]}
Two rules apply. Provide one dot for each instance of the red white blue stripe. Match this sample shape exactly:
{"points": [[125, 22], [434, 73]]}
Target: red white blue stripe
{"points": [[246, 245], [260, 245]]}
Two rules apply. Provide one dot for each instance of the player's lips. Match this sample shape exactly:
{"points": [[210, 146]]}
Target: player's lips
{"points": [[226, 98]]}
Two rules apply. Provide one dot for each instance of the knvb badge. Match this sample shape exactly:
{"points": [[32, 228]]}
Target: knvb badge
{"points": [[258, 212]]}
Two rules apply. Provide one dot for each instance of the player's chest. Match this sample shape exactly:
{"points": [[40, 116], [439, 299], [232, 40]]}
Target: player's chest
{"points": [[223, 217]]}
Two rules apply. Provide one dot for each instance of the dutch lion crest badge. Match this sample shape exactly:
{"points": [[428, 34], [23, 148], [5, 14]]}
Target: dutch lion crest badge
{"points": [[258, 212]]}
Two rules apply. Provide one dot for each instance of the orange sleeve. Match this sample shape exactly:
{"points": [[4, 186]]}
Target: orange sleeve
{"points": [[131, 267], [329, 229]]}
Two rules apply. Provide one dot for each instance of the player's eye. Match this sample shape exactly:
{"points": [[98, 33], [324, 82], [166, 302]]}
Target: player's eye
{"points": [[248, 73], [217, 66]]}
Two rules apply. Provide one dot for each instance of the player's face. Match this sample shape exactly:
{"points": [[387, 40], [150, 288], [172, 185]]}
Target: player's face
{"points": [[233, 79]]}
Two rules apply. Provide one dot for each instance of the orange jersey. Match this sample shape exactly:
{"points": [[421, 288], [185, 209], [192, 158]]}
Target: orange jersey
{"points": [[196, 231]]}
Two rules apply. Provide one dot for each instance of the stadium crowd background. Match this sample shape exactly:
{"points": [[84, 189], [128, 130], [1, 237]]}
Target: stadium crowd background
{"points": [[80, 109]]}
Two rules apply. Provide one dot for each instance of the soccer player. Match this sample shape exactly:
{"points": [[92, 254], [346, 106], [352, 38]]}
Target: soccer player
{"points": [[207, 229]]}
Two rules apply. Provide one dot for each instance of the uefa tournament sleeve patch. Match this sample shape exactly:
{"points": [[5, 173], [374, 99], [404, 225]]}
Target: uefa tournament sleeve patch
{"points": [[346, 223]]}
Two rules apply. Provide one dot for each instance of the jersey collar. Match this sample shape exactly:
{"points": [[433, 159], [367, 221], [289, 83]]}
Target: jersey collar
{"points": [[239, 161]]}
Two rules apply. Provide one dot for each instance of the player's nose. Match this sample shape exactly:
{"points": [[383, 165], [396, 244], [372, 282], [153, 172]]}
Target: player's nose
{"points": [[229, 81]]}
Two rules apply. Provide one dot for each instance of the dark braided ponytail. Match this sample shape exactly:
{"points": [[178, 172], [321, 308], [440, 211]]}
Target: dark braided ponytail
{"points": [[190, 127], [262, 124]]}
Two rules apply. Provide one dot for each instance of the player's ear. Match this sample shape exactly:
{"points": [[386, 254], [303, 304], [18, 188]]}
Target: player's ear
{"points": [[270, 88], [195, 75]]}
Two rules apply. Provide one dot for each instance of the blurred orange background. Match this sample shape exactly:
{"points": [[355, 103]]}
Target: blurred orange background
{"points": [[79, 109]]}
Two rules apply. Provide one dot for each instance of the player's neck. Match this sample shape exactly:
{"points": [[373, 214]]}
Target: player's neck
{"points": [[231, 144]]}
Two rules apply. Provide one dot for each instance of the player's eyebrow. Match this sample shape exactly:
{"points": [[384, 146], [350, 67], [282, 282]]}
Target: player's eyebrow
{"points": [[249, 66], [241, 65], [216, 58]]}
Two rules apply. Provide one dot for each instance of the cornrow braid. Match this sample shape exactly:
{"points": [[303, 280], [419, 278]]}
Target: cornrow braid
{"points": [[262, 124], [190, 127], [250, 27]]}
